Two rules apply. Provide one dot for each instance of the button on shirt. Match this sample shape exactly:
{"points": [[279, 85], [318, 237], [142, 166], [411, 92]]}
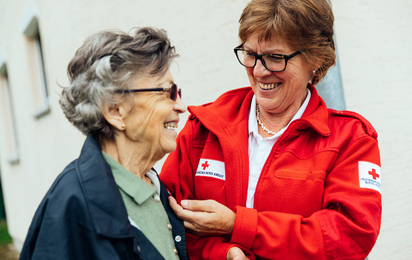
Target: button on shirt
{"points": [[144, 207], [259, 147]]}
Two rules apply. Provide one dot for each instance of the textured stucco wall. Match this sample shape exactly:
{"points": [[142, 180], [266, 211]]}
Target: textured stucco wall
{"points": [[373, 39]]}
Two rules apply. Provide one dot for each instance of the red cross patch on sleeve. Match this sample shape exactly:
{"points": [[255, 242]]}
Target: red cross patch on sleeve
{"points": [[369, 176]]}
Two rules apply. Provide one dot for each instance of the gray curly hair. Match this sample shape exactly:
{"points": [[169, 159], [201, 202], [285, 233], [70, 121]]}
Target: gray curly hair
{"points": [[106, 62]]}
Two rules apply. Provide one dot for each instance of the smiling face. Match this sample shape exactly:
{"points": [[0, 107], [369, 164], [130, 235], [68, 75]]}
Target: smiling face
{"points": [[277, 93], [153, 117]]}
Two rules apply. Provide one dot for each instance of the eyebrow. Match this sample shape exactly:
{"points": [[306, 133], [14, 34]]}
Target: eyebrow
{"points": [[274, 51]]}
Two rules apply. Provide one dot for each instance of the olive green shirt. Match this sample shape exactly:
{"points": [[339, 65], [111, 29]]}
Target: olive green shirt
{"points": [[144, 207]]}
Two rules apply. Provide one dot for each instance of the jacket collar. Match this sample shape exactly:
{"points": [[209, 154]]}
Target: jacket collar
{"points": [[315, 115], [236, 103], [101, 193]]}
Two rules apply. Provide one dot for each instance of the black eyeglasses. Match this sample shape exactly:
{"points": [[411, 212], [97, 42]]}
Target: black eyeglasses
{"points": [[272, 62], [173, 91]]}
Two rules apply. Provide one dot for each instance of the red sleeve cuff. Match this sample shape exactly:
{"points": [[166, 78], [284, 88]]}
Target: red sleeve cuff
{"points": [[219, 251], [244, 229]]}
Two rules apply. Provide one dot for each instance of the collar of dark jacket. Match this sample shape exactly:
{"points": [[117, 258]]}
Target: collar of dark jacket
{"points": [[103, 199]]}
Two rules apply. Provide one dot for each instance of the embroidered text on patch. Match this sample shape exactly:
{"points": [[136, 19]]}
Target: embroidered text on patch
{"points": [[211, 168], [369, 176]]}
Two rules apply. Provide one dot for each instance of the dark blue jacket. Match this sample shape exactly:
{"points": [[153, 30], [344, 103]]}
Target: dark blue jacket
{"points": [[83, 217]]}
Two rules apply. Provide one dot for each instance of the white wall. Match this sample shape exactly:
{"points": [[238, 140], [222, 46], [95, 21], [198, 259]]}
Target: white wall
{"points": [[373, 38]]}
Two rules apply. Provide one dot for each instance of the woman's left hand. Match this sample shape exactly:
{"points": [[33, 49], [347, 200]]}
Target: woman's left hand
{"points": [[204, 217]]}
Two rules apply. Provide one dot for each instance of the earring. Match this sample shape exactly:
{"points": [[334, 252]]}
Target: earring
{"points": [[314, 73], [123, 126]]}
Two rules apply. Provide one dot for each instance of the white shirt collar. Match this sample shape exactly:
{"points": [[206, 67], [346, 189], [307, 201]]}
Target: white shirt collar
{"points": [[253, 126], [155, 180]]}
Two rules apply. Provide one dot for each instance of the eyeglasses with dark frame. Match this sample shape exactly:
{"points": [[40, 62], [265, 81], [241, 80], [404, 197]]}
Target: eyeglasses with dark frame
{"points": [[174, 91], [272, 62]]}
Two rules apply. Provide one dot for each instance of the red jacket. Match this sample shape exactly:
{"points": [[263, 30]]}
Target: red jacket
{"points": [[318, 196]]}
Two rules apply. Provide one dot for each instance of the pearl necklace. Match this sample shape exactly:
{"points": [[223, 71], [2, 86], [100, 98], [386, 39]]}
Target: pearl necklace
{"points": [[260, 122]]}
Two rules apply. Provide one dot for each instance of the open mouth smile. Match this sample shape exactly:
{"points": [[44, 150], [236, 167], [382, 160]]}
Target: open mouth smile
{"points": [[269, 86], [170, 125]]}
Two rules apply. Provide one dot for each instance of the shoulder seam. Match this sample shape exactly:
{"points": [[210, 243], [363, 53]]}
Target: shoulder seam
{"points": [[367, 126]]}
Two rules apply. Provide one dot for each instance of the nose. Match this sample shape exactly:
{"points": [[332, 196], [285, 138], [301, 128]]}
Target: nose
{"points": [[179, 106], [259, 70]]}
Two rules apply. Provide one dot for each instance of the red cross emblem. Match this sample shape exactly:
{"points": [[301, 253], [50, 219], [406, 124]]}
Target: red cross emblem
{"points": [[373, 174], [205, 165]]}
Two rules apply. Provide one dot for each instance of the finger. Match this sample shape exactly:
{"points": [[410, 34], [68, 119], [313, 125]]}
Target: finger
{"points": [[236, 253], [173, 203], [172, 200], [179, 211], [190, 228], [182, 213], [200, 205]]}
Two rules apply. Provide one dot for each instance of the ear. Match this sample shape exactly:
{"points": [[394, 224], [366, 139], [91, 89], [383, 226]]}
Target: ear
{"points": [[115, 116]]}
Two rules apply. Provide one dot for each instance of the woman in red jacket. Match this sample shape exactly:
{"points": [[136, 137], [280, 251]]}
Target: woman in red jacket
{"points": [[268, 172]]}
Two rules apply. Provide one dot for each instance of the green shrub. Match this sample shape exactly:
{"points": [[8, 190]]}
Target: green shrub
{"points": [[5, 238]]}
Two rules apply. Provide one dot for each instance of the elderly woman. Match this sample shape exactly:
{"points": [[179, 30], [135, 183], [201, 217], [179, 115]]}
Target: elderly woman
{"points": [[109, 203], [269, 170]]}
